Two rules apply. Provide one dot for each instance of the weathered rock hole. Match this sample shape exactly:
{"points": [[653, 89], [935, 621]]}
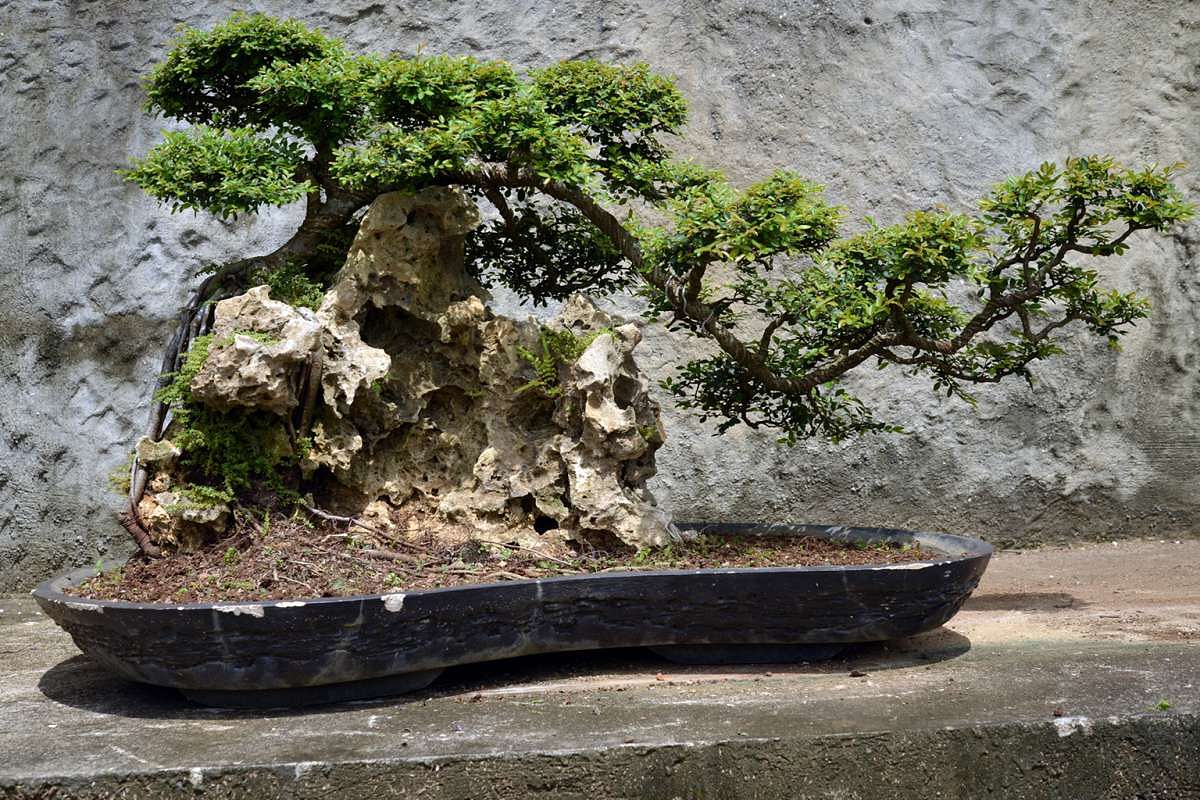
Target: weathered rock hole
{"points": [[624, 390], [395, 331], [532, 413], [544, 524]]}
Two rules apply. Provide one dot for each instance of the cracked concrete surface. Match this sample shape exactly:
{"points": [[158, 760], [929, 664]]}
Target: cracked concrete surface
{"points": [[1047, 685]]}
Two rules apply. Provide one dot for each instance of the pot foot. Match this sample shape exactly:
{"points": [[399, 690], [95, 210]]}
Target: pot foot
{"points": [[314, 695], [746, 653]]}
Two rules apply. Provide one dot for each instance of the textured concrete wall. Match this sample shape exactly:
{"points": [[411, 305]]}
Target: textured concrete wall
{"points": [[892, 105]]}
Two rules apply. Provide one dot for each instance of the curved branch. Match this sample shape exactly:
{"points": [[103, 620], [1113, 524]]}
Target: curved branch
{"points": [[702, 314], [682, 295]]}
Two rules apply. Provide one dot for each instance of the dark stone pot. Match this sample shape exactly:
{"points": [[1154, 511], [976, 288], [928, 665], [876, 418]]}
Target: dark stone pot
{"points": [[296, 652]]}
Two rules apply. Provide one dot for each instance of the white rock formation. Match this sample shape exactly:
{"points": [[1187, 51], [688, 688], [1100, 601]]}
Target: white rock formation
{"points": [[426, 398], [257, 349], [176, 522], [427, 405]]}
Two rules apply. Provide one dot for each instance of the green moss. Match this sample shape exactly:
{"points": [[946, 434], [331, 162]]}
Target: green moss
{"points": [[178, 385], [558, 349], [230, 450], [291, 284], [118, 479], [223, 452], [649, 433], [196, 496], [302, 283], [201, 496]]}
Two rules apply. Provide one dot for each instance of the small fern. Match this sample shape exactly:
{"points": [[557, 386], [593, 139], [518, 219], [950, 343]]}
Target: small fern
{"points": [[558, 349]]}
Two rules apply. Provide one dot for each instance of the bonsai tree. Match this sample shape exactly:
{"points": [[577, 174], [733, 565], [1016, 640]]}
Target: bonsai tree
{"points": [[358, 360]]}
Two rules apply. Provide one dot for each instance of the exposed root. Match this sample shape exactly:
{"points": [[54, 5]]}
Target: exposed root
{"points": [[131, 523]]}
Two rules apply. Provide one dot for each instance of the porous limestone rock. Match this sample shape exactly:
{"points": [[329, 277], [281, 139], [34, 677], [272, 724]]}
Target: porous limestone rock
{"points": [[258, 347], [175, 522], [429, 405], [161, 453]]}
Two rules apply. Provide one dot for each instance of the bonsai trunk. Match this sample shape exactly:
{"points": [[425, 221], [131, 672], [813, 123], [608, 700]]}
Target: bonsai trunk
{"points": [[418, 409]]}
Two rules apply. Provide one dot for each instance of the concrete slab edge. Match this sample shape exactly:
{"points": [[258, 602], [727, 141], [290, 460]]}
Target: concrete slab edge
{"points": [[1151, 757]]}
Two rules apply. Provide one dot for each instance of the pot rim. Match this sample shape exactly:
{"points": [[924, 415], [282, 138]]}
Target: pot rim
{"points": [[954, 548]]}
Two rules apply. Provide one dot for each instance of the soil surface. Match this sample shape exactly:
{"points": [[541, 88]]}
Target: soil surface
{"points": [[295, 557]]}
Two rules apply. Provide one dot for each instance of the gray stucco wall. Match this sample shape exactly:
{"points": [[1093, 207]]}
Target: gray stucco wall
{"points": [[892, 105]]}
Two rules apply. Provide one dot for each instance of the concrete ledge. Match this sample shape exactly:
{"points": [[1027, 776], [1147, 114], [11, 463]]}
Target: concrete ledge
{"points": [[1047, 686], [1148, 759]]}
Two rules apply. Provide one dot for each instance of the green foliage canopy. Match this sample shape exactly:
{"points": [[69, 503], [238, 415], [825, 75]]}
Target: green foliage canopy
{"points": [[575, 161]]}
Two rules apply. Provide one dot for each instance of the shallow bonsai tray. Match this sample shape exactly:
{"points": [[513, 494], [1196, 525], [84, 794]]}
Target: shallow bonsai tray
{"points": [[298, 652]]}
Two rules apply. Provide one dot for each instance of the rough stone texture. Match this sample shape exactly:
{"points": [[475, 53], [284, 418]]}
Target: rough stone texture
{"points": [[428, 402], [893, 106], [1099, 635], [175, 522], [244, 371], [160, 453]]}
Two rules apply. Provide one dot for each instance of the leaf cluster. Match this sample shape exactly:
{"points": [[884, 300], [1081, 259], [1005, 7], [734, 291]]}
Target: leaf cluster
{"points": [[546, 252], [279, 112], [290, 283], [572, 154], [961, 299]]}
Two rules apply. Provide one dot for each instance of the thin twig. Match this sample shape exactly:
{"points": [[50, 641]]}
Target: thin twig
{"points": [[408, 572], [390, 555], [536, 552], [298, 583], [316, 512], [243, 515], [503, 573]]}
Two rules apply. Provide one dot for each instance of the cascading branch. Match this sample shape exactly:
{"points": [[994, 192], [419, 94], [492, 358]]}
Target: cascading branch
{"points": [[574, 157]]}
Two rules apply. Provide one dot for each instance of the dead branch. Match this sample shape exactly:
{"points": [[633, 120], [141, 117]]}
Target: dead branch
{"points": [[325, 515], [535, 551]]}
